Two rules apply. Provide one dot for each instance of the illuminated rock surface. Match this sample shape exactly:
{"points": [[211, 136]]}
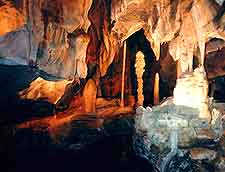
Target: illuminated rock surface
{"points": [[139, 68], [41, 89], [46, 39], [192, 91], [187, 113]]}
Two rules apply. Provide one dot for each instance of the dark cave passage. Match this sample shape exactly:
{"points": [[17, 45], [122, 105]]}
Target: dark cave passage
{"points": [[166, 67], [138, 42]]}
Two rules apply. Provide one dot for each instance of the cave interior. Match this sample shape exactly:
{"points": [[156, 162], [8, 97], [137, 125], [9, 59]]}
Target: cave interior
{"points": [[112, 85]]}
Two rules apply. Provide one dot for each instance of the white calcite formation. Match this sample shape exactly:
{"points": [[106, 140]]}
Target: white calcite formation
{"points": [[184, 118], [168, 126], [192, 91], [186, 25]]}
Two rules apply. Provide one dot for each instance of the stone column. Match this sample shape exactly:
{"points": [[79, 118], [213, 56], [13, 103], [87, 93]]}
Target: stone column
{"points": [[156, 89], [123, 74], [139, 68]]}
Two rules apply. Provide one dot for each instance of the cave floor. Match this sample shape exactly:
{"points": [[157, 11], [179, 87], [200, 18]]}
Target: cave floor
{"points": [[76, 141], [105, 110], [73, 141]]}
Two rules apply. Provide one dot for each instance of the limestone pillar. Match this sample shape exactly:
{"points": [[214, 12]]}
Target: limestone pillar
{"points": [[123, 74], [156, 89], [139, 68]]}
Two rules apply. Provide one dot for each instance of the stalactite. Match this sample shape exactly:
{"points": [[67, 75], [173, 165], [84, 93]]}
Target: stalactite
{"points": [[139, 67]]}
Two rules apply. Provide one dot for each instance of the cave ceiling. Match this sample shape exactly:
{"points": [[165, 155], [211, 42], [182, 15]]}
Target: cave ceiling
{"points": [[63, 36]]}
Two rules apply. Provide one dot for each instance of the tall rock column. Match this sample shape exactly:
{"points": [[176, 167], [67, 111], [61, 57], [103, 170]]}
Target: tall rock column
{"points": [[139, 68], [123, 74], [156, 85]]}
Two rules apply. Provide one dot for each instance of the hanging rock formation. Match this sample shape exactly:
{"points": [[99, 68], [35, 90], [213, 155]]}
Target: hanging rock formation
{"points": [[185, 24]]}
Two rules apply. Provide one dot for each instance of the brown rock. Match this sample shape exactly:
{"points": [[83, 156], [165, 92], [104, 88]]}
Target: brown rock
{"points": [[203, 153]]}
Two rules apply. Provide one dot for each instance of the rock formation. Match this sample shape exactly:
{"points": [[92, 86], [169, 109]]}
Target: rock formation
{"points": [[89, 96], [139, 65], [186, 25], [192, 91], [46, 39], [40, 89], [79, 58]]}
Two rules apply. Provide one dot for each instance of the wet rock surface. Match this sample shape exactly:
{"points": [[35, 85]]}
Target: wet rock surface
{"points": [[79, 145]]}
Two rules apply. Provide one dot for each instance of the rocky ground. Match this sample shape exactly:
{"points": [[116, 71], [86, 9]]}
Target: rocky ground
{"points": [[96, 142]]}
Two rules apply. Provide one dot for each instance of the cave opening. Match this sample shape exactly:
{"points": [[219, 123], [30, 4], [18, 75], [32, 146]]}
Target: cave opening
{"points": [[135, 43], [110, 84]]}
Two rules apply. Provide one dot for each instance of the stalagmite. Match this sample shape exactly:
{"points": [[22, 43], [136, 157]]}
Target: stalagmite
{"points": [[89, 96], [123, 74], [139, 68], [156, 85], [156, 89]]}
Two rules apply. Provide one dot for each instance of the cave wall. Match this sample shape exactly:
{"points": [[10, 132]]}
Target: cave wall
{"points": [[46, 28]]}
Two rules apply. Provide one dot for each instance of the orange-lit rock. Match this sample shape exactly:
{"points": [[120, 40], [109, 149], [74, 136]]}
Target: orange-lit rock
{"points": [[139, 68], [48, 25], [41, 89], [89, 96], [10, 18]]}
